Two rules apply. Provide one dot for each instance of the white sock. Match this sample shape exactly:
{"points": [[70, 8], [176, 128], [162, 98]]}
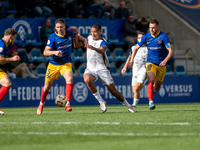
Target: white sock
{"points": [[126, 103], [68, 103], [41, 103], [150, 102], [98, 97], [135, 101]]}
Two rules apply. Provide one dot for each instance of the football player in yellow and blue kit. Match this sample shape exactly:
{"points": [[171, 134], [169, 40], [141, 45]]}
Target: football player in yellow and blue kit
{"points": [[5, 44], [159, 52], [59, 46]]}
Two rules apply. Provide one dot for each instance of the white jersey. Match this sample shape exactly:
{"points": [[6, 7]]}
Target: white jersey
{"points": [[95, 60], [139, 65], [140, 57]]}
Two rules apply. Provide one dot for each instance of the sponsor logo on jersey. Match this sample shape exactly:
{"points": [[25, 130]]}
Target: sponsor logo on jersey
{"points": [[69, 38], [159, 41]]}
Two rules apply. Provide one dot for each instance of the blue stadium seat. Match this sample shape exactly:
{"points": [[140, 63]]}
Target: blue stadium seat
{"points": [[113, 39], [36, 56], [119, 55], [78, 56], [20, 41], [31, 40], [74, 72], [169, 71], [113, 71], [23, 55], [179, 70], [81, 70], [128, 72], [110, 58], [41, 72]]}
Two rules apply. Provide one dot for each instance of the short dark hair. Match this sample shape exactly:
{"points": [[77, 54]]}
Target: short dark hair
{"points": [[141, 33], [96, 26], [10, 31], [60, 20], [154, 21]]}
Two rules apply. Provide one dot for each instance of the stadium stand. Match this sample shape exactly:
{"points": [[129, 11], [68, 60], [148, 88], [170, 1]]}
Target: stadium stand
{"points": [[119, 55], [78, 56], [113, 71], [169, 71], [36, 56], [81, 70], [41, 72], [128, 72], [180, 70]]}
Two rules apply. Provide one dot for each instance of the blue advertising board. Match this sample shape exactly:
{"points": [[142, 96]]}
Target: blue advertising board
{"points": [[32, 25], [175, 89]]}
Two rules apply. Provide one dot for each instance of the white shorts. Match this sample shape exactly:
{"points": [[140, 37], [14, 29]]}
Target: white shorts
{"points": [[104, 75], [139, 76]]}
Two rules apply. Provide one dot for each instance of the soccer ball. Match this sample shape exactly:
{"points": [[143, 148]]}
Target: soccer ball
{"points": [[61, 100]]}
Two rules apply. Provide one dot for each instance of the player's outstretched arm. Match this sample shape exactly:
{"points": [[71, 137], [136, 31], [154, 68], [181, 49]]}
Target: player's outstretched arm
{"points": [[130, 65], [4, 60], [82, 41], [100, 50], [126, 64], [170, 54], [48, 52]]}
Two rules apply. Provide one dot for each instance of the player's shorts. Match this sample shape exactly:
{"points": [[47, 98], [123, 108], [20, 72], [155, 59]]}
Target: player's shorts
{"points": [[157, 70], [2, 74], [139, 75], [104, 75], [54, 70]]}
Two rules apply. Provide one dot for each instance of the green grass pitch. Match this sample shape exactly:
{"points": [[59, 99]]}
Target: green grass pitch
{"points": [[168, 127]]}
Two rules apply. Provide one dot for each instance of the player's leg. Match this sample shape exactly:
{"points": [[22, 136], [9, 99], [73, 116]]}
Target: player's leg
{"points": [[68, 75], [51, 74], [44, 93], [136, 90], [119, 97], [66, 72], [151, 73], [138, 79], [89, 79], [6, 84], [159, 78]]}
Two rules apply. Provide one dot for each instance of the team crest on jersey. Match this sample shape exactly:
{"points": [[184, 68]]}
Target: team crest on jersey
{"points": [[149, 67], [159, 41], [69, 38], [95, 44]]}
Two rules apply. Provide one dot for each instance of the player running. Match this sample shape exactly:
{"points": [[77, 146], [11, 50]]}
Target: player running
{"points": [[157, 43], [97, 68], [59, 46], [139, 69], [5, 44]]}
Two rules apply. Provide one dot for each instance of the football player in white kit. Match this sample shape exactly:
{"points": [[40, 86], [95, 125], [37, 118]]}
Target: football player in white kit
{"points": [[97, 68], [138, 71]]}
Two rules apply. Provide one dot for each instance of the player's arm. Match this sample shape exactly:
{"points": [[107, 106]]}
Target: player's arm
{"points": [[100, 50], [126, 64], [170, 54], [49, 52], [82, 41], [4, 60], [130, 65]]}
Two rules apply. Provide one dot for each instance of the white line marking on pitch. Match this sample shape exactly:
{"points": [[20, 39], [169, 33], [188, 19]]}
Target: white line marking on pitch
{"points": [[104, 123], [100, 134]]}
